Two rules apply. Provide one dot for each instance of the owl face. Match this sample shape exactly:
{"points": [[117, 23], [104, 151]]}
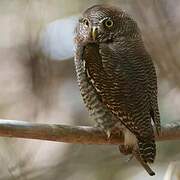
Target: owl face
{"points": [[105, 24]]}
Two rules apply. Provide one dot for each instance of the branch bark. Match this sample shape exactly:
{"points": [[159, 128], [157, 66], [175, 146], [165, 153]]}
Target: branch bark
{"points": [[73, 134]]}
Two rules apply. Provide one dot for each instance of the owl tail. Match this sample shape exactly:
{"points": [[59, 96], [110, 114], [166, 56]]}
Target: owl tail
{"points": [[147, 150]]}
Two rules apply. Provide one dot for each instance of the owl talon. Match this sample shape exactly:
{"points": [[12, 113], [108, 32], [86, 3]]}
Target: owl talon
{"points": [[126, 150], [108, 133]]}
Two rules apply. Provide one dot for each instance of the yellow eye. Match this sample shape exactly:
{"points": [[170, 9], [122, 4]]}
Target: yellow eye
{"points": [[108, 23], [85, 22]]}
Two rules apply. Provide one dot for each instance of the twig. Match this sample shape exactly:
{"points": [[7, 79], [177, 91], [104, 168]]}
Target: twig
{"points": [[73, 134]]}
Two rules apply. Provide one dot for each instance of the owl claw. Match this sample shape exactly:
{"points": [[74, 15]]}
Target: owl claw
{"points": [[124, 149], [108, 133]]}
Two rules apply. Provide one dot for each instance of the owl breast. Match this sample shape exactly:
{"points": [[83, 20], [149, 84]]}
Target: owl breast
{"points": [[99, 112]]}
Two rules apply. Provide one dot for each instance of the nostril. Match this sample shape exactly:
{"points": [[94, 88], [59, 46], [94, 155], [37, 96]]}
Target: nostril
{"points": [[96, 28]]}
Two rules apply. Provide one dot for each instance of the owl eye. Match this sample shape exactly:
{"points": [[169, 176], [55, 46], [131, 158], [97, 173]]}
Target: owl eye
{"points": [[108, 23], [85, 22]]}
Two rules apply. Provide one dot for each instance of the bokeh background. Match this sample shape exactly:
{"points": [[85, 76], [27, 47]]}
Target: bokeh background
{"points": [[38, 84]]}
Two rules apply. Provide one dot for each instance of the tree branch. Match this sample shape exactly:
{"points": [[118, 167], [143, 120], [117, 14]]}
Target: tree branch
{"points": [[73, 134]]}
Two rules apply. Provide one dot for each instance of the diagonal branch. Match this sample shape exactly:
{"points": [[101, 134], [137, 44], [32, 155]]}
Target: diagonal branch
{"points": [[73, 134]]}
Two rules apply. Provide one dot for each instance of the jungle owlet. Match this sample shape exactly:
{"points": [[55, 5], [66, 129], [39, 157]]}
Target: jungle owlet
{"points": [[117, 79]]}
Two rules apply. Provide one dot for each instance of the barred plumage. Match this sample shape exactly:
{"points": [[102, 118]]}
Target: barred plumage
{"points": [[117, 78]]}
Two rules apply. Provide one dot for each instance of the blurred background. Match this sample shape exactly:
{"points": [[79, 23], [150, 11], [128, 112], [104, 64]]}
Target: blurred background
{"points": [[38, 84]]}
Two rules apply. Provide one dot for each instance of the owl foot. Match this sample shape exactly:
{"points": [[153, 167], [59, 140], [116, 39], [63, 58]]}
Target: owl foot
{"points": [[108, 133], [126, 150]]}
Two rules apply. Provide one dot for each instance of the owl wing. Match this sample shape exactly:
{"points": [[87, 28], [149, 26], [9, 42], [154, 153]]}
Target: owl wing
{"points": [[120, 87], [155, 115]]}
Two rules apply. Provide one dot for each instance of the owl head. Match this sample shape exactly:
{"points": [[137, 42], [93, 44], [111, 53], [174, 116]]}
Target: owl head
{"points": [[104, 23]]}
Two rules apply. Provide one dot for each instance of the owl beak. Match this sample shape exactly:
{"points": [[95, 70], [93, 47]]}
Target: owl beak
{"points": [[94, 32]]}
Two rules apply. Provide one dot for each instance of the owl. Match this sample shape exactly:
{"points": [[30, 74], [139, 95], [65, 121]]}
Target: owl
{"points": [[117, 79]]}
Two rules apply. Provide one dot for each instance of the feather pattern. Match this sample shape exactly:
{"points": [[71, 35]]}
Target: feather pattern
{"points": [[117, 79]]}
